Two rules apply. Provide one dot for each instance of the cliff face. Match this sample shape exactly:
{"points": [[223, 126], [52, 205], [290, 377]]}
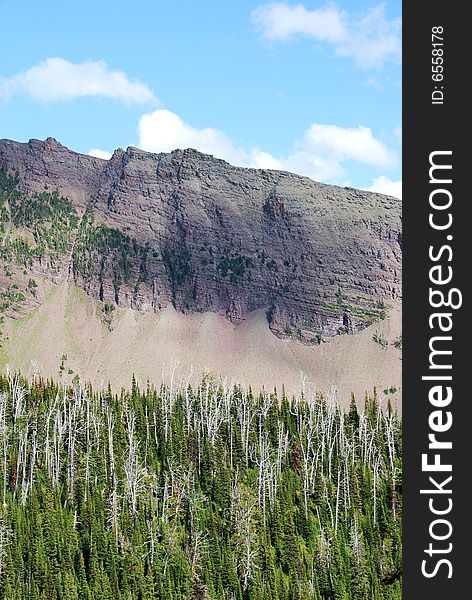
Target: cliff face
{"points": [[144, 230]]}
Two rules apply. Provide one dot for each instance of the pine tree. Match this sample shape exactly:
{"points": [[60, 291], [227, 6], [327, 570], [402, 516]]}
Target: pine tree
{"points": [[279, 507]]}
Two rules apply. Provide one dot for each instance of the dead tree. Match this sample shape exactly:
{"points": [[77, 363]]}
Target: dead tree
{"points": [[134, 473], [245, 538], [4, 436]]}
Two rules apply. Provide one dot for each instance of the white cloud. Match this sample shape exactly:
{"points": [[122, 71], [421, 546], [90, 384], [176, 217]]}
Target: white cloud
{"points": [[320, 168], [370, 39], [100, 154], [56, 79], [320, 154], [384, 185], [356, 143], [264, 160], [279, 21], [164, 131], [303, 162], [323, 150]]}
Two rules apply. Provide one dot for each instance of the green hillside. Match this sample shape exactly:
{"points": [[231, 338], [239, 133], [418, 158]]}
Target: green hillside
{"points": [[203, 493]]}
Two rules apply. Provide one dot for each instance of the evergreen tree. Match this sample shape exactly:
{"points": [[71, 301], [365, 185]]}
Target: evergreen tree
{"points": [[196, 493]]}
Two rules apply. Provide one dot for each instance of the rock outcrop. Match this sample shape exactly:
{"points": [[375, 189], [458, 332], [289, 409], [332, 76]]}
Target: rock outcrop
{"points": [[189, 229]]}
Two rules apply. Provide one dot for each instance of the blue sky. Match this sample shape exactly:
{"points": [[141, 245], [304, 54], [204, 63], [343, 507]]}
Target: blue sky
{"points": [[310, 87]]}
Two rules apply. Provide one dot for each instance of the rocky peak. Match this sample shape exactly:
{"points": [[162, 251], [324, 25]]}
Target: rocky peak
{"points": [[192, 230]]}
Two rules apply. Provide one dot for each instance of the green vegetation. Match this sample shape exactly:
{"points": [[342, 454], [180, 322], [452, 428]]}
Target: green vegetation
{"points": [[196, 493], [262, 256], [2, 335], [108, 310], [369, 315], [99, 247], [10, 298], [34, 227], [45, 226], [398, 343], [234, 266], [8, 194], [32, 285], [62, 365], [178, 266]]}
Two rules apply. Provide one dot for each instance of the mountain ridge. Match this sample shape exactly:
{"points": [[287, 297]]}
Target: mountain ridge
{"points": [[188, 229]]}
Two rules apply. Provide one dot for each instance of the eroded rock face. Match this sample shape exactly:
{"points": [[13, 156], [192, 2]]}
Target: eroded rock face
{"points": [[191, 229]]}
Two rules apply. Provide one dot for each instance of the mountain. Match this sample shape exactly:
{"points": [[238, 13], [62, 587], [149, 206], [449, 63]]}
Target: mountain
{"points": [[254, 273]]}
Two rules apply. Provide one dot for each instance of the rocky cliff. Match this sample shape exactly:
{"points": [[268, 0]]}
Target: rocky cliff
{"points": [[147, 230]]}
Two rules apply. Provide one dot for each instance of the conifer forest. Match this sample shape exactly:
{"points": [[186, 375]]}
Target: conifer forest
{"points": [[204, 492]]}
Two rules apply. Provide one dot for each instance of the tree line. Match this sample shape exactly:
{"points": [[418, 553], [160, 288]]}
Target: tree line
{"points": [[196, 492]]}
